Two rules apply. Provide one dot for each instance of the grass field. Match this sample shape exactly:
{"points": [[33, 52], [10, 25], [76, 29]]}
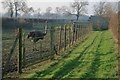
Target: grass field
{"points": [[95, 57], [63, 38]]}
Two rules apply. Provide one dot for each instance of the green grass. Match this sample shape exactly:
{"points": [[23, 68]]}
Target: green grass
{"points": [[94, 58]]}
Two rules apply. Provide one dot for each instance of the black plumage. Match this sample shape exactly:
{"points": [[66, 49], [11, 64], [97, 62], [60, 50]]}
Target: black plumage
{"points": [[36, 36]]}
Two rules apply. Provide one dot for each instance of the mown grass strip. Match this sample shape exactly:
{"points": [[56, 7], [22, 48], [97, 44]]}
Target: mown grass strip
{"points": [[94, 58], [108, 57], [50, 72], [53, 63], [86, 61]]}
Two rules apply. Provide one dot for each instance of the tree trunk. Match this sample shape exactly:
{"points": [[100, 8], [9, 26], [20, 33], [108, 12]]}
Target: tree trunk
{"points": [[77, 17], [11, 15], [16, 13]]}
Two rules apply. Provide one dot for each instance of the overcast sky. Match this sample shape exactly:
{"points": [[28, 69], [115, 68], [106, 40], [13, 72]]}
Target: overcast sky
{"points": [[43, 4]]}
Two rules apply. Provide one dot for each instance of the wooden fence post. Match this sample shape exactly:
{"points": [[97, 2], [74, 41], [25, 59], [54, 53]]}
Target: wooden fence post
{"points": [[65, 37], [69, 36], [24, 56], [79, 32], [51, 41], [73, 33], [20, 51], [60, 38], [76, 32]]}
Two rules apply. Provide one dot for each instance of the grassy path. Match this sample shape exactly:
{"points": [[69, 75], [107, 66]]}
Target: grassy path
{"points": [[94, 58]]}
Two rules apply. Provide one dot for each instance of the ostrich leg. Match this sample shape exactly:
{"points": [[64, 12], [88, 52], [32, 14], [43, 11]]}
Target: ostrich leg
{"points": [[40, 46], [36, 48], [33, 46]]}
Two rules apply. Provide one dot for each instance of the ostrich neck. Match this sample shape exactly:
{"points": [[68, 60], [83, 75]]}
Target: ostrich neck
{"points": [[45, 29]]}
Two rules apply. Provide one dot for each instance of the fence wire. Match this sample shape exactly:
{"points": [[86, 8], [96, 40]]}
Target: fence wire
{"points": [[58, 39]]}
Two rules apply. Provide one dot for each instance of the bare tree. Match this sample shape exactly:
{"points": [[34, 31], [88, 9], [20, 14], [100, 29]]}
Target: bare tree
{"points": [[19, 5], [79, 7], [8, 4], [58, 10], [38, 12], [14, 6], [65, 10], [28, 11], [105, 9], [48, 11], [99, 8], [108, 11]]}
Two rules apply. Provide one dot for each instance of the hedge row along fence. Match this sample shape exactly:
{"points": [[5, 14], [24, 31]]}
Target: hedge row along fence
{"points": [[114, 26]]}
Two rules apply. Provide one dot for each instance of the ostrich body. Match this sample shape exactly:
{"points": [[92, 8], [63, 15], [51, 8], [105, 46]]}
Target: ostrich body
{"points": [[36, 36]]}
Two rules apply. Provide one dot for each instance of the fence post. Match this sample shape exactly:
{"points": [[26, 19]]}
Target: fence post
{"points": [[51, 41], [24, 59], [73, 33], [69, 36], [20, 51], [78, 31], [60, 38], [65, 37], [81, 33]]}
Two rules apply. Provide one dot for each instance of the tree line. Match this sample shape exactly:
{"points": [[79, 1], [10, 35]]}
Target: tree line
{"points": [[16, 8]]}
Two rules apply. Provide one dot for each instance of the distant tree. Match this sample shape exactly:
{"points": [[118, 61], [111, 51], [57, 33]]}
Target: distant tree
{"points": [[65, 10], [99, 8], [19, 5], [27, 12], [48, 12], [105, 9], [7, 4], [14, 6], [38, 12], [79, 8], [58, 12]]}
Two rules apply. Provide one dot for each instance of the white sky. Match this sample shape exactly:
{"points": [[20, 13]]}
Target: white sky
{"points": [[43, 4]]}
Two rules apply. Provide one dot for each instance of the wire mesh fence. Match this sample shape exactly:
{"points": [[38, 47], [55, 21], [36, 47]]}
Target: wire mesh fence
{"points": [[58, 38], [9, 51]]}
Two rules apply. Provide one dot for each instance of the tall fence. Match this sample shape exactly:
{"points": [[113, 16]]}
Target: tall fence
{"points": [[57, 39]]}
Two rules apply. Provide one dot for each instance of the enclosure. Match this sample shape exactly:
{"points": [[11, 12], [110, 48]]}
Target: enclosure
{"points": [[18, 50]]}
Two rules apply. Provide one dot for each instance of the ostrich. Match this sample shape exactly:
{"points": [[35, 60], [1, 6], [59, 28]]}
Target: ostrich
{"points": [[36, 36]]}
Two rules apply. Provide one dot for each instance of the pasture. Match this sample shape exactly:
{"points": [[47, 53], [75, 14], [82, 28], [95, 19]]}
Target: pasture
{"points": [[80, 54], [58, 39], [96, 57]]}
